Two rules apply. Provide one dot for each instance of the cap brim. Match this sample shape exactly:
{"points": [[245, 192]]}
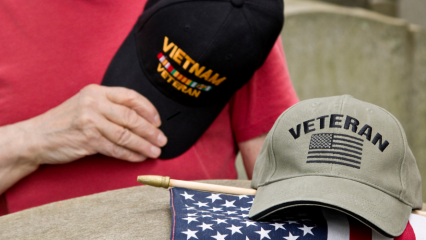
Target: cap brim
{"points": [[182, 124], [373, 207]]}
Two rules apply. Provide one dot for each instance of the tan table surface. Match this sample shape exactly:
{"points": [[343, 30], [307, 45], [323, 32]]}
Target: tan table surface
{"points": [[132, 213]]}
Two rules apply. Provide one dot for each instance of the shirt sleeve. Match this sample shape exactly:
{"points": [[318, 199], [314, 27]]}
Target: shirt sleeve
{"points": [[256, 106]]}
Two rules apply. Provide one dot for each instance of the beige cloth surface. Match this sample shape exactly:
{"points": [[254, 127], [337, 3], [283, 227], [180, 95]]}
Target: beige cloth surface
{"points": [[132, 213]]}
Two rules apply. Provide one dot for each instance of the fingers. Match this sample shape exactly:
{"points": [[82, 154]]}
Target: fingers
{"points": [[135, 101], [129, 119], [124, 138], [108, 148]]}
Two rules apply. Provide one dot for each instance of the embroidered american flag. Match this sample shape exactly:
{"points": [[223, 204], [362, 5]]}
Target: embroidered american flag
{"points": [[335, 148], [203, 215]]}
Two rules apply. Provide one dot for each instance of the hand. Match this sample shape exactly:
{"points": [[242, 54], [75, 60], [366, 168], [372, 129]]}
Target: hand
{"points": [[113, 121]]}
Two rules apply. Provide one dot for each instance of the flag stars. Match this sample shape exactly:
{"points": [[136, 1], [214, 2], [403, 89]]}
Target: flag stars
{"points": [[306, 230], [190, 234], [205, 226], [214, 197], [244, 209], [191, 219], [218, 236], [231, 212], [200, 204], [249, 223], [216, 209], [278, 226], [234, 229], [187, 196], [291, 237], [228, 203], [263, 233], [242, 196], [219, 221], [244, 215]]}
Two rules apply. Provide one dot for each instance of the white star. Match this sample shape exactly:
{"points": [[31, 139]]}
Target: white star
{"points": [[200, 204], [248, 223], [229, 204], [205, 226], [187, 196], [243, 196], [189, 208], [192, 214], [244, 215], [233, 218], [220, 221], [214, 197], [263, 233], [206, 216], [291, 237], [190, 234], [250, 202], [231, 212], [190, 219], [234, 229], [216, 209], [277, 226], [244, 209], [219, 236], [306, 230]]}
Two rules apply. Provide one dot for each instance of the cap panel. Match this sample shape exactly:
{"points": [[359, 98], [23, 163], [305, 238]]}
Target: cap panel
{"points": [[265, 163], [411, 181], [348, 128], [290, 145]]}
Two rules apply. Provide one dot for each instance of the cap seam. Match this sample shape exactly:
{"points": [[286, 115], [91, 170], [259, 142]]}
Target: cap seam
{"points": [[272, 141], [351, 178]]}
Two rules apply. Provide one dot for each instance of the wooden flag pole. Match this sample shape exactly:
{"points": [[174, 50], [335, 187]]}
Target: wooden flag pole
{"points": [[166, 182]]}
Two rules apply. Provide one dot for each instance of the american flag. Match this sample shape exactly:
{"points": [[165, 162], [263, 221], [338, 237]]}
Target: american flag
{"points": [[203, 215], [335, 149]]}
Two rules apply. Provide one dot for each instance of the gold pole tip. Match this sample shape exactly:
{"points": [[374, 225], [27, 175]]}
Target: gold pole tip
{"points": [[154, 180]]}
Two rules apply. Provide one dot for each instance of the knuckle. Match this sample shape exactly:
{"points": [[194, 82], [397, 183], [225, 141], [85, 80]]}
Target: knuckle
{"points": [[131, 118], [83, 119], [123, 136], [117, 151]]}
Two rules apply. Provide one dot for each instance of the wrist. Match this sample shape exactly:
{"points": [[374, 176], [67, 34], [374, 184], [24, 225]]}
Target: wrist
{"points": [[17, 151]]}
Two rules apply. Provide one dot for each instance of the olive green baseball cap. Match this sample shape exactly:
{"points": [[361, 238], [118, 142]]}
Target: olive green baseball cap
{"points": [[339, 153]]}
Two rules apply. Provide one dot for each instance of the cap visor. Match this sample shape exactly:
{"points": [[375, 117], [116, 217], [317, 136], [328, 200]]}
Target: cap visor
{"points": [[181, 124], [369, 205]]}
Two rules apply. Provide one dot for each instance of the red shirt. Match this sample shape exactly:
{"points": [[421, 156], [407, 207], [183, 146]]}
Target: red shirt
{"points": [[51, 49]]}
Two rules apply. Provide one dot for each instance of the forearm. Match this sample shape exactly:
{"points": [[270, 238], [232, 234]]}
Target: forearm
{"points": [[17, 149], [250, 149]]}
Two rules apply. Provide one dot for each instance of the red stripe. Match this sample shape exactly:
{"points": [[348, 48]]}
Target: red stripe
{"points": [[174, 215], [408, 233], [358, 231], [160, 55]]}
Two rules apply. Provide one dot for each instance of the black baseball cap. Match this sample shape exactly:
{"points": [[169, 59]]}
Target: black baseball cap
{"points": [[188, 57]]}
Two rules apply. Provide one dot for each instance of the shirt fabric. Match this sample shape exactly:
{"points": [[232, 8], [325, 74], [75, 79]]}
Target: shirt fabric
{"points": [[51, 49]]}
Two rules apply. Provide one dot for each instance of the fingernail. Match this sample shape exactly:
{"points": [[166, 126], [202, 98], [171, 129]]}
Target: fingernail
{"points": [[142, 157], [157, 120], [155, 151], [162, 140]]}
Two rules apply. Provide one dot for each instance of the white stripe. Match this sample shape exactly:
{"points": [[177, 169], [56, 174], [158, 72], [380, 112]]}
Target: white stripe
{"points": [[337, 225], [418, 223], [162, 58], [377, 236], [167, 65]]}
